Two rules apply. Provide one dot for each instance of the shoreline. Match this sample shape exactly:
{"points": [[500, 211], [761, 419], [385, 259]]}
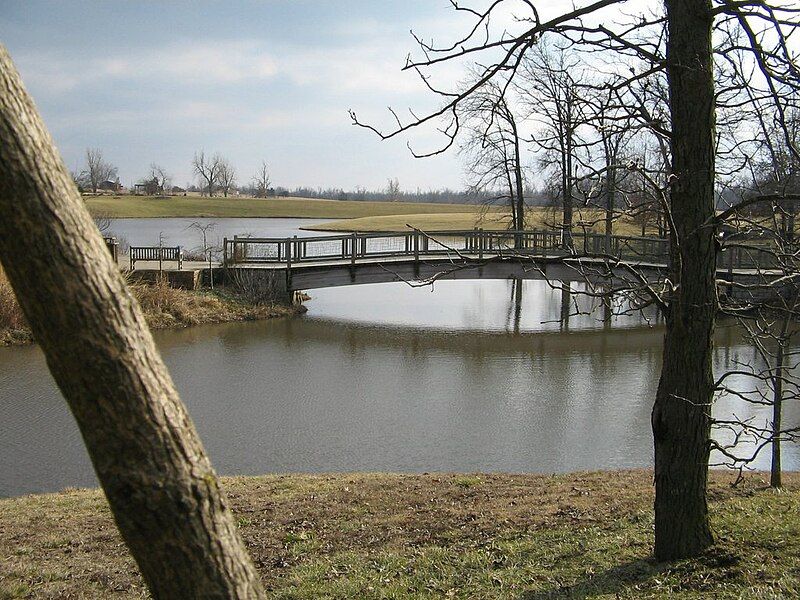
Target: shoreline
{"points": [[172, 308], [432, 535]]}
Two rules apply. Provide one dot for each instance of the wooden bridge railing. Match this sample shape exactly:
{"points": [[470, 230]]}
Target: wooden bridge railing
{"points": [[158, 254], [473, 243]]}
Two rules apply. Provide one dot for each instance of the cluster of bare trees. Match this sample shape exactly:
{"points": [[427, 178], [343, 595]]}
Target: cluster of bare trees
{"points": [[97, 172], [215, 173], [558, 117], [651, 115]]}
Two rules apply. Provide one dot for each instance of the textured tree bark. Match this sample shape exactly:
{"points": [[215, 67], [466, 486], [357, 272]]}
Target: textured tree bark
{"points": [[158, 480], [611, 190], [776, 470], [777, 409], [681, 414]]}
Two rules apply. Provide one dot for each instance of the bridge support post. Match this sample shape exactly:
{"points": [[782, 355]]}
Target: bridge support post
{"points": [[353, 249]]}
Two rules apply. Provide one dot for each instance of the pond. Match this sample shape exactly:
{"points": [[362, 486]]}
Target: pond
{"points": [[467, 376]]}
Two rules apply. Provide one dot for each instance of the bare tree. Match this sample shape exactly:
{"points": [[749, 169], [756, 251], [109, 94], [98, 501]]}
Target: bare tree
{"points": [[227, 176], [207, 248], [760, 229], [97, 169], [160, 485], [261, 181], [393, 189], [614, 130], [678, 42], [207, 169], [79, 179], [491, 147], [160, 176], [550, 90]]}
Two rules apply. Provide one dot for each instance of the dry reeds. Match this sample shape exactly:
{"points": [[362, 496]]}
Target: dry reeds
{"points": [[11, 316]]}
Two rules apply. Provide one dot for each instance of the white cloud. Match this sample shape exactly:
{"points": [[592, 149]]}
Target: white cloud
{"points": [[222, 62]]}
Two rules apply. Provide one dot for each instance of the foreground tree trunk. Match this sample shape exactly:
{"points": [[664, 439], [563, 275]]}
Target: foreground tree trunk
{"points": [[159, 482], [681, 414]]}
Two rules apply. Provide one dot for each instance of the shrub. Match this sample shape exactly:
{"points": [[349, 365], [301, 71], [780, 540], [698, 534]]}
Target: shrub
{"points": [[258, 286]]}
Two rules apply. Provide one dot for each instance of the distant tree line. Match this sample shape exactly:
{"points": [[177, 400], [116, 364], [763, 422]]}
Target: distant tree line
{"points": [[215, 175]]}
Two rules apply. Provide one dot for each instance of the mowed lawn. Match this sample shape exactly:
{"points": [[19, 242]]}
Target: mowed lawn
{"points": [[196, 206], [350, 215], [377, 536], [495, 220]]}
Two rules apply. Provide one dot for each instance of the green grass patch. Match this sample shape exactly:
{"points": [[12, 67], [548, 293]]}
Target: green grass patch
{"points": [[377, 536]]}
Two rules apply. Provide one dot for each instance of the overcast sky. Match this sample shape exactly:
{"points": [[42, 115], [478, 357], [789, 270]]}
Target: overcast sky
{"points": [[153, 82]]}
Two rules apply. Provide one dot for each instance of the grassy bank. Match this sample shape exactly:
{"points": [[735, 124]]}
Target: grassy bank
{"points": [[163, 306], [536, 218], [196, 206], [431, 536]]}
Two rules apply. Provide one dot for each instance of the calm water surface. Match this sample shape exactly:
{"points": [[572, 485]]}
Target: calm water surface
{"points": [[181, 232], [469, 376]]}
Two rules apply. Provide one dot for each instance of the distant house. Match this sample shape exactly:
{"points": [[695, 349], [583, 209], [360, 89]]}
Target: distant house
{"points": [[177, 190], [149, 187], [110, 186]]}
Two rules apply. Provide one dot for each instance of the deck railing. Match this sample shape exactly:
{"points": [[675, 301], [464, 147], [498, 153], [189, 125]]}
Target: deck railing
{"points": [[470, 243]]}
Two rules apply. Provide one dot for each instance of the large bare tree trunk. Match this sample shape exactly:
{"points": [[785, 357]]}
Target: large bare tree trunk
{"points": [[158, 480], [681, 414]]}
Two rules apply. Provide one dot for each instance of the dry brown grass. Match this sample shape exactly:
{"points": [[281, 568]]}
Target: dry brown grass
{"points": [[377, 536], [13, 327], [163, 306], [585, 219]]}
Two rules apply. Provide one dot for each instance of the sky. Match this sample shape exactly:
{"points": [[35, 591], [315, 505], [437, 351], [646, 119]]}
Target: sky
{"points": [[272, 80]]}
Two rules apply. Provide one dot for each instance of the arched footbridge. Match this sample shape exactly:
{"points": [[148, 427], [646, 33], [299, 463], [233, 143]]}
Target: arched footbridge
{"points": [[307, 263]]}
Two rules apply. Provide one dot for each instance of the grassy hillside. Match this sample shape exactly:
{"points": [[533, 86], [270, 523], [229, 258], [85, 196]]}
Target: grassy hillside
{"points": [[196, 206], [583, 535]]}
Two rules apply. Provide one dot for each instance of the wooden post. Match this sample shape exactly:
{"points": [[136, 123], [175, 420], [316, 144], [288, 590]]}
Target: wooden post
{"points": [[481, 243], [416, 246], [288, 244], [353, 248], [730, 272], [224, 252]]}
